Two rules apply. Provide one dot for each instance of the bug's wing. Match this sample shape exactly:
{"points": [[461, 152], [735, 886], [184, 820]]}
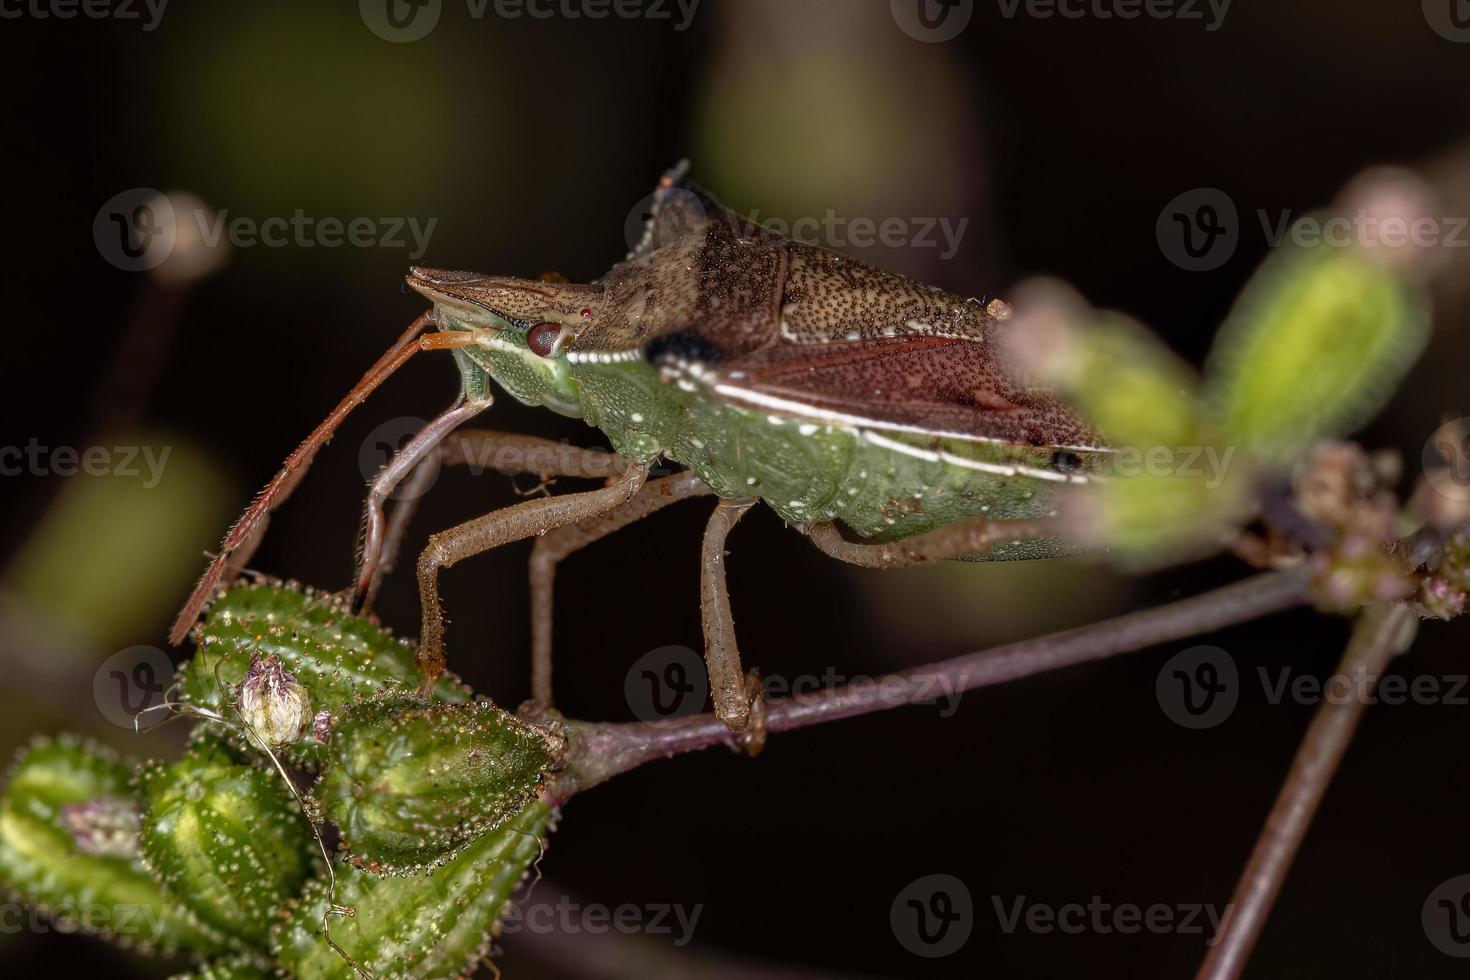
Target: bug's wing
{"points": [[927, 385]]}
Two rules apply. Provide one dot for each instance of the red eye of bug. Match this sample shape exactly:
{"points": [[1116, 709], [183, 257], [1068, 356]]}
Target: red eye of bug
{"points": [[542, 338]]}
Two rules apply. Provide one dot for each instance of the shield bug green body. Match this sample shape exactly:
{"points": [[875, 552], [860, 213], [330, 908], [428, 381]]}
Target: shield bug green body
{"points": [[775, 371]]}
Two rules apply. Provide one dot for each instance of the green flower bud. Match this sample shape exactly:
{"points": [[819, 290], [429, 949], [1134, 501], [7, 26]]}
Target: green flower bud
{"points": [[429, 925], [228, 839], [408, 781], [1314, 346], [68, 842], [335, 656]]}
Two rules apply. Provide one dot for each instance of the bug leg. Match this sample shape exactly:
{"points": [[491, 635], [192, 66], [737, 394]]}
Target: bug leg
{"points": [[552, 547], [503, 526], [417, 449], [507, 453], [721, 654], [243, 537], [951, 541], [416, 486]]}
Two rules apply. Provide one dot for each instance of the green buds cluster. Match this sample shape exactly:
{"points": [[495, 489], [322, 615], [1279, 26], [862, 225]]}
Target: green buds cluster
{"points": [[435, 802], [69, 847], [1315, 343], [408, 781]]}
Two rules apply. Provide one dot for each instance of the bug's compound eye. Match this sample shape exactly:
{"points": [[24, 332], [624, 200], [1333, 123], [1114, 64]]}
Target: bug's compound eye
{"points": [[1066, 461], [544, 339]]}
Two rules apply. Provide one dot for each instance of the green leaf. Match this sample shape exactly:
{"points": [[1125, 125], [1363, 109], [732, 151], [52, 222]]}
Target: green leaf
{"points": [[1312, 349], [68, 846], [227, 838], [338, 657], [428, 925], [408, 781]]}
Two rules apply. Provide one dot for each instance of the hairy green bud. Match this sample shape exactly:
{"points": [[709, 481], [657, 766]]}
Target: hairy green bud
{"points": [[418, 927], [226, 838], [407, 781]]}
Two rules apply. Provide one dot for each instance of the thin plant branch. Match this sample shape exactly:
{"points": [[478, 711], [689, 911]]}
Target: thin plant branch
{"points": [[598, 751], [1382, 632]]}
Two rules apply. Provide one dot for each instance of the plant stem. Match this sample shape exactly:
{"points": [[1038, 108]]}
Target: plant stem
{"points": [[599, 751], [1381, 633]]}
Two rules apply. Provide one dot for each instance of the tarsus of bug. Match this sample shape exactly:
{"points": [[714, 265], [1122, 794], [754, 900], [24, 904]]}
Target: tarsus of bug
{"points": [[408, 344], [182, 708]]}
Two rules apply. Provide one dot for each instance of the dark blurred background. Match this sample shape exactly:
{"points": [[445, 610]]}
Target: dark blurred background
{"points": [[529, 143]]}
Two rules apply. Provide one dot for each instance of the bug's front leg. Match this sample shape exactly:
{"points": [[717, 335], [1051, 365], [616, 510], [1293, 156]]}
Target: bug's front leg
{"points": [[418, 449], [727, 685], [503, 526], [242, 538]]}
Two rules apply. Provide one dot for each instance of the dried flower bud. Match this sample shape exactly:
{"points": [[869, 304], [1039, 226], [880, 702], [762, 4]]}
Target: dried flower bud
{"points": [[107, 826], [275, 705], [1441, 598]]}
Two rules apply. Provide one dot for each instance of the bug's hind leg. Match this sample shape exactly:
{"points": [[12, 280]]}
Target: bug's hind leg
{"points": [[523, 520], [241, 540], [727, 684], [552, 547], [951, 541]]}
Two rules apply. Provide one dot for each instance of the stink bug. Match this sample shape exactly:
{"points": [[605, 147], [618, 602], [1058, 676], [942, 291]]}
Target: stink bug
{"points": [[772, 370]]}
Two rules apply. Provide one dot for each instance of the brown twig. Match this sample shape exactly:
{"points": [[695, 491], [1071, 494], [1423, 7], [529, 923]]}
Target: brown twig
{"points": [[599, 751], [1381, 633]]}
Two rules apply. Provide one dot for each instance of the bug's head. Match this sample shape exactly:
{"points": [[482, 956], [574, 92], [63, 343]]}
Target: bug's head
{"points": [[530, 324]]}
